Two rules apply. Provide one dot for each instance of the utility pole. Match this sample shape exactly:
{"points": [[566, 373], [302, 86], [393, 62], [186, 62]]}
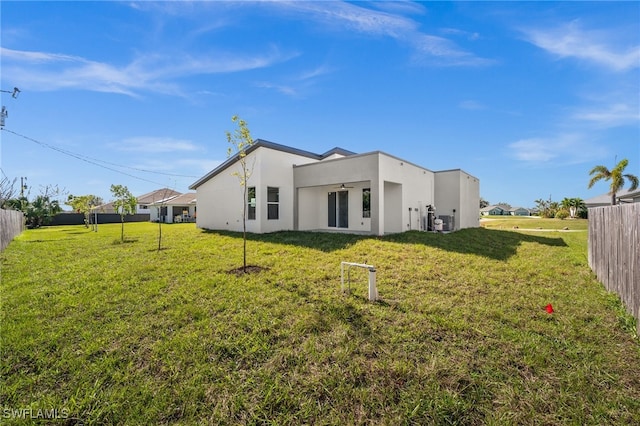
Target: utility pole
{"points": [[23, 186], [4, 113]]}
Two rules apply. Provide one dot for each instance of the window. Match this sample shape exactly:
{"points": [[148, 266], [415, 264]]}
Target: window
{"points": [[273, 203], [251, 203], [366, 202]]}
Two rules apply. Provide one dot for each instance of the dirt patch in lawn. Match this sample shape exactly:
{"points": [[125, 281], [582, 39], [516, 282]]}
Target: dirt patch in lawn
{"points": [[250, 269]]}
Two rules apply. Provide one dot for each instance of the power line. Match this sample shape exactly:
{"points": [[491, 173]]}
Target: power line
{"points": [[95, 161], [78, 157]]}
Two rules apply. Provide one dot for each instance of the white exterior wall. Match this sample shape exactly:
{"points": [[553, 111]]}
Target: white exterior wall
{"points": [[395, 186], [313, 212], [304, 184], [153, 216], [220, 200], [315, 181], [417, 192], [469, 201], [458, 190], [276, 170]]}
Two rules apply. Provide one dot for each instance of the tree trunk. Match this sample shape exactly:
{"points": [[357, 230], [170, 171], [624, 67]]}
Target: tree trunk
{"points": [[122, 229], [244, 231], [613, 199]]}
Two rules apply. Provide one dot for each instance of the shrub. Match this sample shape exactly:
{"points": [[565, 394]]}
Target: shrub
{"points": [[562, 214]]}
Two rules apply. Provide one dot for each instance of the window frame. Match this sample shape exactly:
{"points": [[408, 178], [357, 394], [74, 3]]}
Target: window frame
{"points": [[273, 206], [251, 206], [366, 203]]}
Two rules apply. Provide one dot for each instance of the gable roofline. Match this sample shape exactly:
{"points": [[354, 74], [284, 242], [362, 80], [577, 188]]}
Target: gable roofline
{"points": [[261, 143], [188, 198], [365, 154], [150, 197], [339, 151], [493, 206]]}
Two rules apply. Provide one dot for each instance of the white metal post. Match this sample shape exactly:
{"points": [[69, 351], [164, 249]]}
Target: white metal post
{"points": [[373, 291]]}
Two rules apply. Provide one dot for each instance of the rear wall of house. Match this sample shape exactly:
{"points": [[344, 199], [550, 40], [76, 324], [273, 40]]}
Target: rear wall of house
{"points": [[221, 199]]}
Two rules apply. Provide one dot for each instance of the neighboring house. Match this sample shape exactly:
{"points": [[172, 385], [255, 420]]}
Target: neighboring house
{"points": [[373, 193], [493, 210], [622, 197], [181, 208], [519, 211], [144, 201]]}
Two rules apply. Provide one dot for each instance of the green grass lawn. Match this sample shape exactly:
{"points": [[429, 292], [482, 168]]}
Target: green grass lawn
{"points": [[117, 333]]}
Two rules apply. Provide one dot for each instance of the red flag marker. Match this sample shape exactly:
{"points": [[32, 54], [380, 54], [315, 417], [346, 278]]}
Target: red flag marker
{"points": [[549, 308]]}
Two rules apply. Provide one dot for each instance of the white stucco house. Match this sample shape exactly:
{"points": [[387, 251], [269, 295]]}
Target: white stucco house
{"points": [[371, 193]]}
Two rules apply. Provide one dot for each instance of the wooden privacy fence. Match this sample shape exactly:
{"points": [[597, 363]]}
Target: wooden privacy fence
{"points": [[614, 252], [11, 224]]}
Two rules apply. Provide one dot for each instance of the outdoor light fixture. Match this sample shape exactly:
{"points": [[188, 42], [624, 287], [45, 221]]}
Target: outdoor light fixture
{"points": [[14, 93], [4, 113]]}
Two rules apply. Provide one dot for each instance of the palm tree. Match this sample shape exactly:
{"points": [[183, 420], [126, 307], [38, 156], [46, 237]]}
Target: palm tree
{"points": [[616, 176], [573, 205]]}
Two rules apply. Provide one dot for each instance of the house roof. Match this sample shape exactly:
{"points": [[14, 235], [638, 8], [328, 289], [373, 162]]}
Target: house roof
{"points": [[148, 198], [605, 199], [182, 199], [491, 207], [261, 143], [157, 195]]}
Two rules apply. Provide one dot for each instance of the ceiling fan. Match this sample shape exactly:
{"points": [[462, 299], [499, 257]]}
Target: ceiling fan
{"points": [[343, 187]]}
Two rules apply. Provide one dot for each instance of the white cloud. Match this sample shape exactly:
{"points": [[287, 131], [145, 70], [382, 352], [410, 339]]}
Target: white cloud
{"points": [[572, 41], [316, 72], [611, 115], [429, 49], [346, 15], [284, 89], [471, 105], [559, 149], [52, 71]]}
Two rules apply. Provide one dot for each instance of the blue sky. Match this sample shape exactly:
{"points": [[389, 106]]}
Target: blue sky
{"points": [[527, 97]]}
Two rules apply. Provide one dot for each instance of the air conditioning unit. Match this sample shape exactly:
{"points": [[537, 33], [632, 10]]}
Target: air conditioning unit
{"points": [[447, 222]]}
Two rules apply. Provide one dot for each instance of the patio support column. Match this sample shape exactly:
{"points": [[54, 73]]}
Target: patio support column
{"points": [[296, 225], [377, 203]]}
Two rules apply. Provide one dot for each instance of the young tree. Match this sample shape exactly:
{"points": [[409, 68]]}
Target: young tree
{"points": [[616, 176], [483, 203], [240, 141], [124, 203], [84, 204], [161, 207]]}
